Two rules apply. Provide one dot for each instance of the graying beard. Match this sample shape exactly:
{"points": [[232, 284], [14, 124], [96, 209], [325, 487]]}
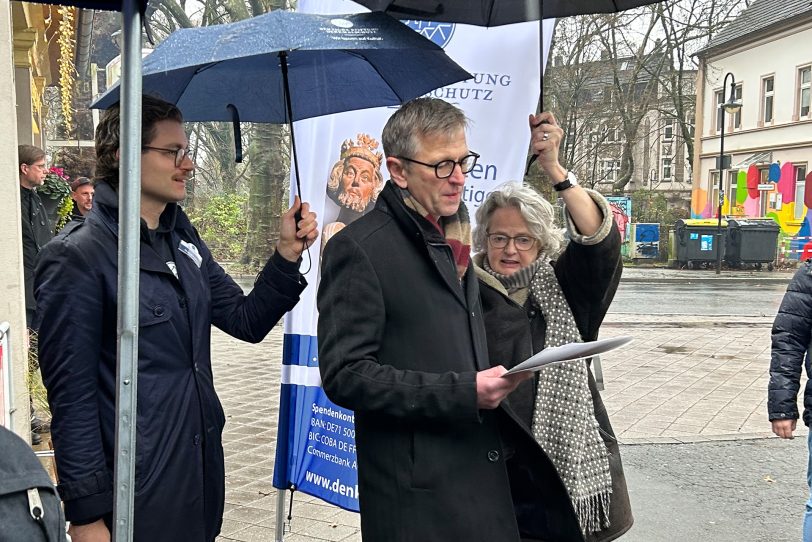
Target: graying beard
{"points": [[351, 201]]}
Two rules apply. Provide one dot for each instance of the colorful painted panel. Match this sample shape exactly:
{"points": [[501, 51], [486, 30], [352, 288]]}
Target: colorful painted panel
{"points": [[622, 209]]}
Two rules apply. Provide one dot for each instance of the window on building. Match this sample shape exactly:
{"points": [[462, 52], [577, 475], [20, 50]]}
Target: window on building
{"points": [[719, 112], [767, 99], [804, 84], [611, 134], [607, 95], [713, 192], [730, 190], [800, 188], [737, 117], [666, 169], [668, 130], [609, 169]]}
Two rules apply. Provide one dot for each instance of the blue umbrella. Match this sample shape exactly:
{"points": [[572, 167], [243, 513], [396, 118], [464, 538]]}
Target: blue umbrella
{"points": [[286, 66], [334, 64]]}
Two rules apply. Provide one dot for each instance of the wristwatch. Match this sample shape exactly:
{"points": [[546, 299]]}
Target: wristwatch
{"points": [[569, 181]]}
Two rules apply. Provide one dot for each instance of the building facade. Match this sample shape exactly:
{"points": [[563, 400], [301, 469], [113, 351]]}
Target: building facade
{"points": [[767, 141]]}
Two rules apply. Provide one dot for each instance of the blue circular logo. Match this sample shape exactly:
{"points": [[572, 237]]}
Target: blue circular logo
{"points": [[439, 33]]}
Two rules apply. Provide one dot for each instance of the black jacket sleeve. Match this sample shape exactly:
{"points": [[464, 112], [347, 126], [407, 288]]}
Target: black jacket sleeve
{"points": [[350, 332], [250, 317], [71, 323], [790, 343], [589, 272]]}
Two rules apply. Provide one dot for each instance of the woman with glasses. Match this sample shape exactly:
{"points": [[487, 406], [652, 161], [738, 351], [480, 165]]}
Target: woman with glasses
{"points": [[537, 293]]}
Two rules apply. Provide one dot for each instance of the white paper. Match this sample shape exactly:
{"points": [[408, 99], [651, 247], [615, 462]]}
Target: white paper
{"points": [[568, 352]]}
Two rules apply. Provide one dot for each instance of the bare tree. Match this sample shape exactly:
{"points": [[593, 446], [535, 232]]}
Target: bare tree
{"points": [[265, 171]]}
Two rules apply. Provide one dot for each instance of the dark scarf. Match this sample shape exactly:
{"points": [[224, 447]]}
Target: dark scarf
{"points": [[455, 228]]}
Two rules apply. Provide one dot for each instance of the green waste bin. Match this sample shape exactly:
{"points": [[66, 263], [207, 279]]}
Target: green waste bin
{"points": [[696, 241], [751, 241]]}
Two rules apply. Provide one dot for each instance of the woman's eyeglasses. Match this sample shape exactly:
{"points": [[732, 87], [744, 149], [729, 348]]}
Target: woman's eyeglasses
{"points": [[521, 242]]}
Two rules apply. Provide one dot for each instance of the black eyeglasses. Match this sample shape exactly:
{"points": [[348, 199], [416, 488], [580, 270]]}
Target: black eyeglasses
{"points": [[179, 154], [445, 168], [521, 242]]}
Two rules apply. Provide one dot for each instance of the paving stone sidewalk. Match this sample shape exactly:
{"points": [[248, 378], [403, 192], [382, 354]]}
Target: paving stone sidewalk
{"points": [[683, 379]]}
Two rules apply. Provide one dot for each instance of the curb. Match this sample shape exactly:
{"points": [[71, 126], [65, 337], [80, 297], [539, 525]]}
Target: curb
{"points": [[690, 279], [698, 439]]}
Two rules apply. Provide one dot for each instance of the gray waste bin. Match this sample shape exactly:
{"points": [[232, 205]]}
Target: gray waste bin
{"points": [[751, 241], [696, 241]]}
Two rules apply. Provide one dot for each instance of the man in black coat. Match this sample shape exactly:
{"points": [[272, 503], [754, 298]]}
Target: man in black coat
{"points": [[402, 343], [36, 227], [791, 343], [179, 469]]}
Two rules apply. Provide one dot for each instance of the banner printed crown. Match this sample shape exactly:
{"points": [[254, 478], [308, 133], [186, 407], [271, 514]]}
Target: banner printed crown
{"points": [[364, 147]]}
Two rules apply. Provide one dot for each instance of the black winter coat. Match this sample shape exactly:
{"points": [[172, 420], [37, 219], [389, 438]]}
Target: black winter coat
{"points": [[179, 471], [791, 343], [400, 342], [36, 232], [589, 277]]}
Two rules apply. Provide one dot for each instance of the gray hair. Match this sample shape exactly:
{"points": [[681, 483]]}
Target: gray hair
{"points": [[536, 211], [417, 119]]}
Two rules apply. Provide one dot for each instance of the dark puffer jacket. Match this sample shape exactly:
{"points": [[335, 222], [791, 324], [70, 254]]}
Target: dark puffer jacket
{"points": [[791, 340]]}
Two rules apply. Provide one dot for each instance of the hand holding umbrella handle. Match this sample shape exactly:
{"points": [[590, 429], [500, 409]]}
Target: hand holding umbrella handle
{"points": [[535, 156]]}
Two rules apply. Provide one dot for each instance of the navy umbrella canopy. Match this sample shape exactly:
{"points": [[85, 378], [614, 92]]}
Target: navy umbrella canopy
{"points": [[333, 63], [496, 12]]}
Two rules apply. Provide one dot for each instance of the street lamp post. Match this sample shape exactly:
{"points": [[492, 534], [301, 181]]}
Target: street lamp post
{"points": [[731, 106]]}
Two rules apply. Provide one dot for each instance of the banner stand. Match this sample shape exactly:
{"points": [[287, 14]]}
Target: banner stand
{"points": [[280, 515]]}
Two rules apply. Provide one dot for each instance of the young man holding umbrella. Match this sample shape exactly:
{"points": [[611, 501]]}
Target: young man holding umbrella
{"points": [[179, 470], [402, 343]]}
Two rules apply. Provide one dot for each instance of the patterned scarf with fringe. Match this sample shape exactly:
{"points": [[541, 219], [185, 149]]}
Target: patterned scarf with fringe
{"points": [[564, 421], [455, 228]]}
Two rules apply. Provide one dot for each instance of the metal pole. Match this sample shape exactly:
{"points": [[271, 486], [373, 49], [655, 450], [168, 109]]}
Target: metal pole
{"points": [[129, 197], [721, 179], [280, 515]]}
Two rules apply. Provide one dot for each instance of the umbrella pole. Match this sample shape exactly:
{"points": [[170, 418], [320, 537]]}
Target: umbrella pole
{"points": [[283, 58], [541, 55]]}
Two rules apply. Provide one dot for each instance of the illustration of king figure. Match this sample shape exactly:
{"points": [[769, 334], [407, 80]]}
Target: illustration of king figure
{"points": [[355, 182]]}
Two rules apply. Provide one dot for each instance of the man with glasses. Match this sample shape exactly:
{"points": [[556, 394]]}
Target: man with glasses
{"points": [[36, 231], [179, 470], [36, 227], [402, 344]]}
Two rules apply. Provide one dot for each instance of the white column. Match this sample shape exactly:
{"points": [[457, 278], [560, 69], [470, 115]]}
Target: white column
{"points": [[12, 299]]}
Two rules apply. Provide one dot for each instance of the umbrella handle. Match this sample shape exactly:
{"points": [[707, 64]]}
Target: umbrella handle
{"points": [[235, 121]]}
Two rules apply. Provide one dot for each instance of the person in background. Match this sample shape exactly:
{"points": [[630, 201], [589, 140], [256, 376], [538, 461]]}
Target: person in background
{"points": [[36, 232], [791, 343], [36, 227], [179, 468], [81, 192]]}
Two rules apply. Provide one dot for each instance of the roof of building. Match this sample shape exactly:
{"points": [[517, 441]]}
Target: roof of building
{"points": [[759, 16]]}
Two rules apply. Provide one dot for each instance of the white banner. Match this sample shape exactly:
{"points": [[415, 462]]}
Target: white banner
{"points": [[316, 449], [505, 63]]}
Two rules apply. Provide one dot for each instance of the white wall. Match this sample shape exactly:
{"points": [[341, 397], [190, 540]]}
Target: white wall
{"points": [[12, 301]]}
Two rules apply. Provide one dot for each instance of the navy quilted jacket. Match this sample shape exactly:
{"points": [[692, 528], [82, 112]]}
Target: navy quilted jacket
{"points": [[791, 335]]}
